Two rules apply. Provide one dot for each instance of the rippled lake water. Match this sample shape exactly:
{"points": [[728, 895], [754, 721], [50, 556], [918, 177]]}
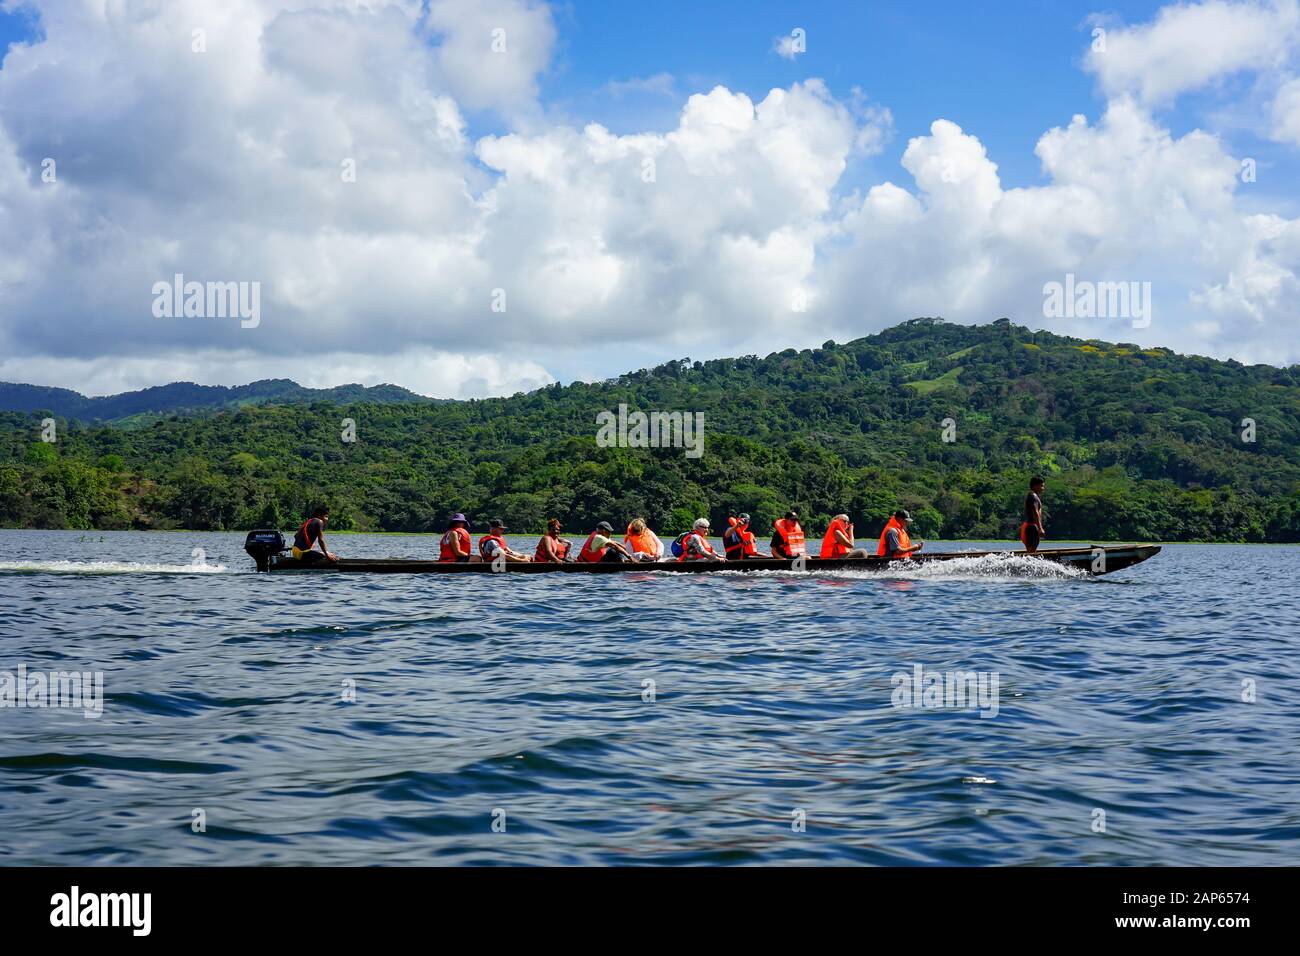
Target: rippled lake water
{"points": [[769, 735]]}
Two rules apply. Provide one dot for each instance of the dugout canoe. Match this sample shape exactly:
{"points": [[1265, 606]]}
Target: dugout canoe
{"points": [[266, 551]]}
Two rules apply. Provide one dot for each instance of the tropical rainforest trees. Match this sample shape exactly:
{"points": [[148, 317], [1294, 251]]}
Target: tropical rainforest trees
{"points": [[946, 420]]}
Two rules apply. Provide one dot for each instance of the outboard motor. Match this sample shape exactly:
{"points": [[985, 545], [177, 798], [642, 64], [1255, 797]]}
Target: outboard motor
{"points": [[263, 546]]}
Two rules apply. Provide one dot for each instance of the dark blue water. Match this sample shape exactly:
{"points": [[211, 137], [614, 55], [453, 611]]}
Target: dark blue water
{"points": [[522, 699]]}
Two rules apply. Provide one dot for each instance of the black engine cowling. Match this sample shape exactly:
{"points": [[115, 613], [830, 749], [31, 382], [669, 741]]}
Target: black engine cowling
{"points": [[264, 545]]}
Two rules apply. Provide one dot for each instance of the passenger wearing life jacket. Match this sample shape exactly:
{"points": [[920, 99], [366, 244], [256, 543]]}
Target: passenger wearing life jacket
{"points": [[838, 541], [787, 541], [494, 543], [552, 549], [1031, 525], [456, 546], [312, 533], [894, 541], [738, 540], [601, 546], [642, 543], [696, 547]]}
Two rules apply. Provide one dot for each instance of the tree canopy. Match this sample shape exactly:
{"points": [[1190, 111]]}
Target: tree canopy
{"points": [[948, 421]]}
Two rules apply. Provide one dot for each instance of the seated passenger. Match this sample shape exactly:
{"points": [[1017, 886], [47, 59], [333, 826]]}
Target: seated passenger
{"points": [[600, 546], [643, 543], [787, 539], [838, 542], [894, 541], [696, 545], [494, 543], [455, 545], [552, 549], [738, 540]]}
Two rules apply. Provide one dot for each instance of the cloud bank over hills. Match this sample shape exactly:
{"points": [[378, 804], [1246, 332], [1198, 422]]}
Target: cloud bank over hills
{"points": [[327, 150]]}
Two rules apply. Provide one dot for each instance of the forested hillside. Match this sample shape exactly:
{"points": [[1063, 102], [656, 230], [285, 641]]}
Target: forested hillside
{"points": [[185, 398], [1136, 444]]}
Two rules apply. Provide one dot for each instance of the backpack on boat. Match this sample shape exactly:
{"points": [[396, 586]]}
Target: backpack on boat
{"points": [[679, 544]]}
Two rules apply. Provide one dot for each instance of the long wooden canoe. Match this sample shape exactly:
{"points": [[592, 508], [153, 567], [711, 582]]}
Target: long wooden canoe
{"points": [[1091, 560]]}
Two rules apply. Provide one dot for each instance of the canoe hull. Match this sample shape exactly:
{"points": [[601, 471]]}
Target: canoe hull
{"points": [[1094, 560]]}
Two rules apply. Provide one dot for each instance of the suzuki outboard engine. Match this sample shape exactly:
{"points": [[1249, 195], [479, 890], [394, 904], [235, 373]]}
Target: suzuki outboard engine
{"points": [[263, 546]]}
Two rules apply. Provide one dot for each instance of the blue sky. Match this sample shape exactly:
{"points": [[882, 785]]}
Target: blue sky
{"points": [[824, 178], [1006, 71]]}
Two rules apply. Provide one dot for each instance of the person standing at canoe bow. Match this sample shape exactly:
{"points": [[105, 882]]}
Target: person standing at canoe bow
{"points": [[738, 540], [895, 543], [1031, 525], [696, 545], [601, 546], [494, 543], [838, 540], [311, 533], [787, 541], [552, 549], [456, 546]]}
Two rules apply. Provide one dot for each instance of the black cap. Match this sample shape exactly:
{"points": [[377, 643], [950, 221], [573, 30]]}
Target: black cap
{"points": [[902, 514], [743, 518], [792, 514], [605, 526], [497, 523]]}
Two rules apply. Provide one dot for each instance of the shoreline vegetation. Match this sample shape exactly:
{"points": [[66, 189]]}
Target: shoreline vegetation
{"points": [[948, 421]]}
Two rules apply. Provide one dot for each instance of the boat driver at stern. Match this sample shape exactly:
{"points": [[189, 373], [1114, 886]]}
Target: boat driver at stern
{"points": [[312, 533]]}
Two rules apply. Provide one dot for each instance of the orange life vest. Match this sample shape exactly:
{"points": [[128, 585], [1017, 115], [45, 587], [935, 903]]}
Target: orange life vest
{"points": [[741, 543], [544, 555], [490, 537], [831, 546], [588, 553], [793, 535], [903, 540], [686, 546], [643, 543], [445, 553]]}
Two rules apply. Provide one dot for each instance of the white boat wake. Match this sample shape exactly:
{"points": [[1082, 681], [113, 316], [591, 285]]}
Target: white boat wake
{"points": [[1007, 566], [1010, 566]]}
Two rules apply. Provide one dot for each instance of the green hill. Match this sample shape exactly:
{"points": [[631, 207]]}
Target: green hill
{"points": [[184, 398], [1135, 443]]}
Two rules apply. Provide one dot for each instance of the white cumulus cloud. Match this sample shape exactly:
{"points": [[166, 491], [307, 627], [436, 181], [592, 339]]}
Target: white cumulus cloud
{"points": [[326, 150]]}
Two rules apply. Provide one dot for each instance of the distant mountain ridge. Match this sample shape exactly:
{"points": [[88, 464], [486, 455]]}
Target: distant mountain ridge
{"points": [[187, 398], [945, 420]]}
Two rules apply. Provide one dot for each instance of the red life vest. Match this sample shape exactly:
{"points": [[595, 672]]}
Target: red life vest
{"points": [[793, 535], [562, 546], [903, 540], [832, 547], [445, 553], [490, 537], [740, 544], [589, 555], [686, 547]]}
